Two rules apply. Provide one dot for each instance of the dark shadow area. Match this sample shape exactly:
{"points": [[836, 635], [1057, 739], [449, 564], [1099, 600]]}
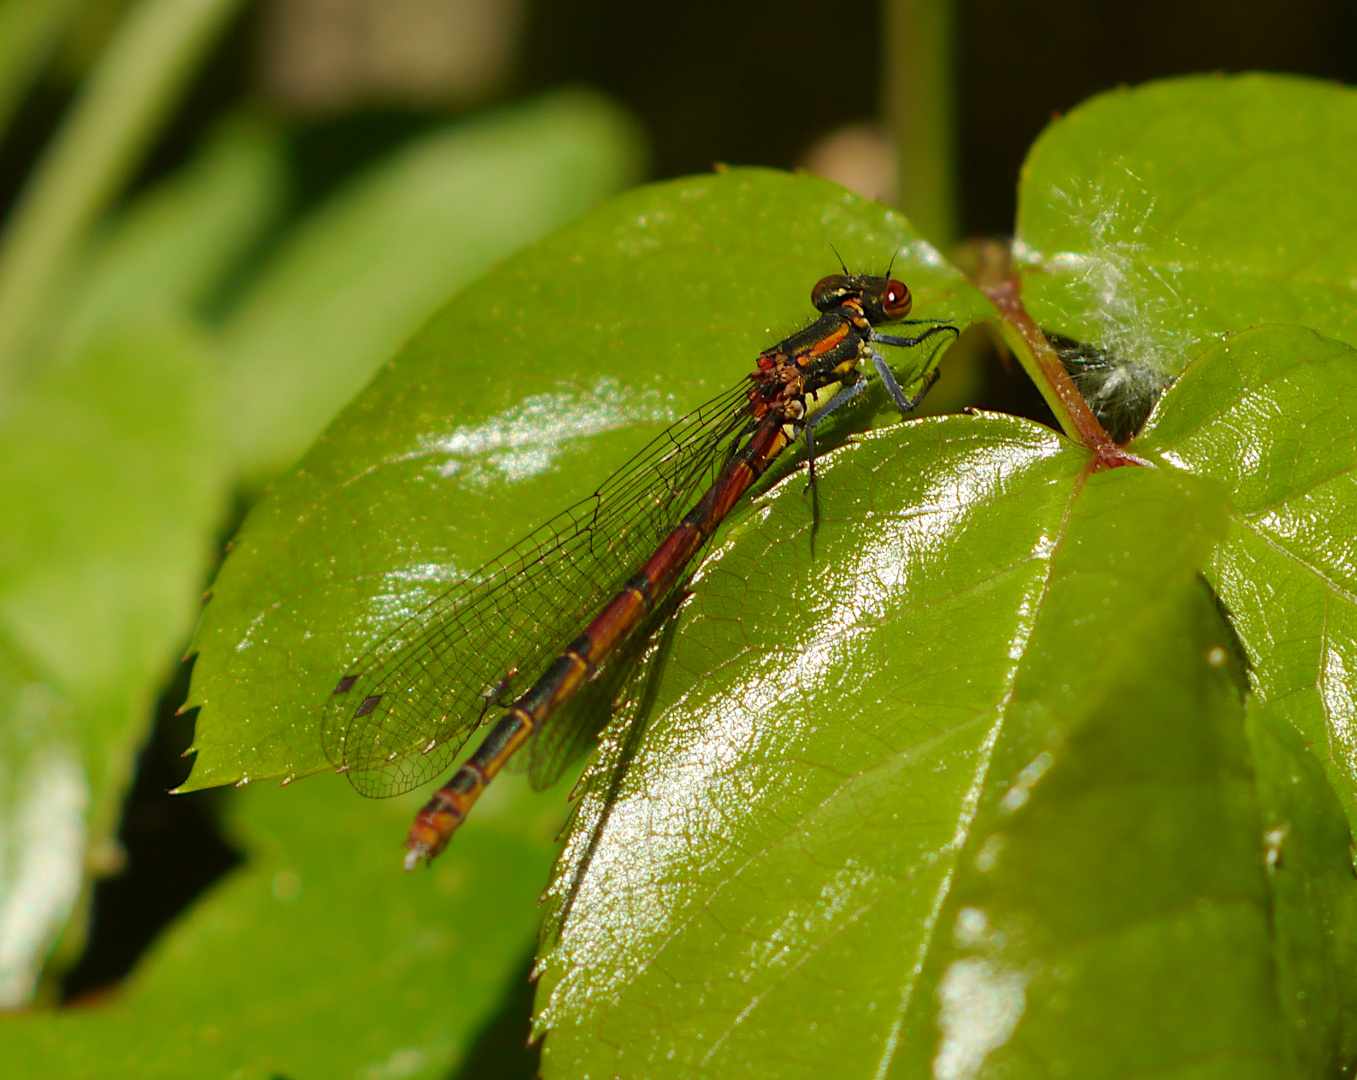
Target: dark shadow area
{"points": [[1006, 387], [756, 82], [329, 151], [220, 86], [37, 118], [501, 1050], [174, 849], [751, 83], [1019, 65], [1120, 393]]}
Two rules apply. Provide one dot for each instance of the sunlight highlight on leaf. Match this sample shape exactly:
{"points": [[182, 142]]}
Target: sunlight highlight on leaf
{"points": [[528, 439]]}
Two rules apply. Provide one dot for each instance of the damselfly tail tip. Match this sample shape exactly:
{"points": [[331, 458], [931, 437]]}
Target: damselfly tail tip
{"points": [[415, 853], [431, 830]]}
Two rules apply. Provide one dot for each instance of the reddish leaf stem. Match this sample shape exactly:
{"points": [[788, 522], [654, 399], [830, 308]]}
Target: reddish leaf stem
{"points": [[1070, 407]]}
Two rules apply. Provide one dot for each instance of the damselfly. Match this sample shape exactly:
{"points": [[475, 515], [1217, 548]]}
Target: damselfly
{"points": [[564, 607]]}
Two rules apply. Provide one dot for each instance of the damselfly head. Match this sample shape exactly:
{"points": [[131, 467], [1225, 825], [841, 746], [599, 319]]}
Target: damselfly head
{"points": [[882, 299]]}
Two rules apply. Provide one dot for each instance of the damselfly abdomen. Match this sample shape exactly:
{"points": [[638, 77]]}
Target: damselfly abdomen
{"points": [[564, 605]]}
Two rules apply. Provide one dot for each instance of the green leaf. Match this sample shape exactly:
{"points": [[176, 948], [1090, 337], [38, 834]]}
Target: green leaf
{"points": [[318, 957], [112, 488], [810, 765], [969, 787], [1307, 852], [352, 282], [772, 865], [1120, 884], [1269, 413], [1154, 218], [513, 403]]}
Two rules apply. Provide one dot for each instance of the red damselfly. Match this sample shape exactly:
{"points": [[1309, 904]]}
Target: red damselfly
{"points": [[565, 605]]}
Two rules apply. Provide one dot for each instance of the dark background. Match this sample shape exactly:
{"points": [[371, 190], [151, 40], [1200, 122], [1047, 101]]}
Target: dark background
{"points": [[736, 81], [760, 81]]}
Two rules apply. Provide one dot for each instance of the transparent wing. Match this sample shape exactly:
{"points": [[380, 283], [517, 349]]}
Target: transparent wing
{"points": [[402, 710]]}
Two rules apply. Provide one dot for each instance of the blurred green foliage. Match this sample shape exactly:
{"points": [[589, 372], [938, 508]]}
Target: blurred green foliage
{"points": [[180, 346]]}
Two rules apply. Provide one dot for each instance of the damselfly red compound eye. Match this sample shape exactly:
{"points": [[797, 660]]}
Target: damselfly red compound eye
{"points": [[896, 300]]}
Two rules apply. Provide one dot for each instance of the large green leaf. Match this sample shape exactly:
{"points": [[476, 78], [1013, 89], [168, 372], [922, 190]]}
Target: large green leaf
{"points": [[356, 278], [1270, 413], [1153, 218], [1127, 883], [319, 958], [971, 782], [766, 869], [514, 402]]}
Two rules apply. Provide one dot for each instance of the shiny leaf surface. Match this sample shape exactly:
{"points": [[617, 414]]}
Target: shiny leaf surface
{"points": [[969, 794], [1122, 876], [1269, 413]]}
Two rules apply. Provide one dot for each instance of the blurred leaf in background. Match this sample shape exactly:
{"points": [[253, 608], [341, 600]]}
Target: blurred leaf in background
{"points": [[348, 284], [165, 349], [114, 486], [320, 957]]}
